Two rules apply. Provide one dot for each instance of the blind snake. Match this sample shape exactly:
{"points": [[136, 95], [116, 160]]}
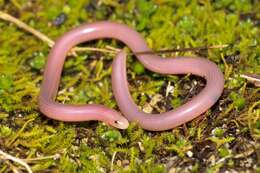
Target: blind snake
{"points": [[153, 122]]}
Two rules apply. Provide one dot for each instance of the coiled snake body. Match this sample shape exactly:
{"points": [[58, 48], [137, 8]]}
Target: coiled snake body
{"points": [[156, 122]]}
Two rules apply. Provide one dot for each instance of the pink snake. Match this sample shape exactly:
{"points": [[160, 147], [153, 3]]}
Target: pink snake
{"points": [[153, 122]]}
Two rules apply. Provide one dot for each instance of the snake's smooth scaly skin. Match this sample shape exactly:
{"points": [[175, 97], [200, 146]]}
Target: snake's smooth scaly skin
{"points": [[158, 122]]}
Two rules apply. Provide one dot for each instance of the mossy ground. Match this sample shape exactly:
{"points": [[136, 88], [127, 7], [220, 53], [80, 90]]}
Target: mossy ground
{"points": [[225, 138]]}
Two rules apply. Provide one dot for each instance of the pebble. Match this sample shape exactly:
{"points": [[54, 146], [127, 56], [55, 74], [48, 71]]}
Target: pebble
{"points": [[189, 153], [125, 162], [141, 146], [60, 19], [232, 59]]}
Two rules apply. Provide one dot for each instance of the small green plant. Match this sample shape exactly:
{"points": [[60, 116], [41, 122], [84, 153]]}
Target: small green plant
{"points": [[38, 61], [6, 81], [138, 68], [111, 135], [223, 152], [180, 147], [238, 101]]}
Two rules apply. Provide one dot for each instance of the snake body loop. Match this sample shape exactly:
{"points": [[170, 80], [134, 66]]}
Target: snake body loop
{"points": [[180, 65]]}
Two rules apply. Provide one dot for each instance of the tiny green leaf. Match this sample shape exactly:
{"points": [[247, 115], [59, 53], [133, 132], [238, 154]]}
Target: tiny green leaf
{"points": [[38, 62], [6, 81], [111, 135], [138, 68]]}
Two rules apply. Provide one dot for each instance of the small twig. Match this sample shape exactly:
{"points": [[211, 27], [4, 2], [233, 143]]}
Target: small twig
{"points": [[253, 78], [25, 27], [6, 156], [182, 49], [84, 49], [19, 132], [244, 154], [12, 167], [46, 39], [112, 48], [112, 162], [16, 4], [55, 156]]}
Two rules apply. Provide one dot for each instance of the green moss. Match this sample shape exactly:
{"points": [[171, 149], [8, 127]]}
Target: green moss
{"points": [[218, 132], [5, 131], [180, 147], [112, 135], [257, 169], [6, 81], [221, 141], [138, 68], [38, 61], [229, 126], [176, 102], [238, 101], [223, 152]]}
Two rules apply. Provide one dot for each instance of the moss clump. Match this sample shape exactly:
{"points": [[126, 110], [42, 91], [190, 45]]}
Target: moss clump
{"points": [[138, 68], [225, 138], [238, 101]]}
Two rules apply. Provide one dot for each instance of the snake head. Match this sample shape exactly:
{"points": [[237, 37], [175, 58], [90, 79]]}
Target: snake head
{"points": [[115, 119], [121, 123]]}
